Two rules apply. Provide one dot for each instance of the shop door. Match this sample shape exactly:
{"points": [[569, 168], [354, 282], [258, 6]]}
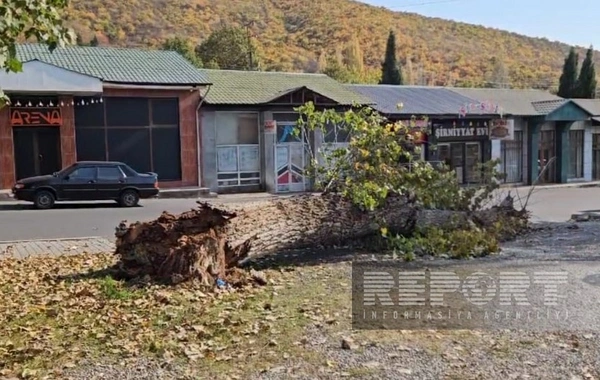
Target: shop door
{"points": [[458, 160], [596, 156], [290, 160], [473, 162], [545, 157], [37, 151]]}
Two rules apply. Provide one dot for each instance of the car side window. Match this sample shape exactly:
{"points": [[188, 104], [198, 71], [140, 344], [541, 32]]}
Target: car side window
{"points": [[83, 173], [109, 173]]}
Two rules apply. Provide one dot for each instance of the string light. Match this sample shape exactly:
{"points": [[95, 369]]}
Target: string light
{"points": [[62, 103]]}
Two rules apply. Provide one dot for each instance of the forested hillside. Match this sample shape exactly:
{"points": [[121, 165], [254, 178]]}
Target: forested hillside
{"points": [[293, 35]]}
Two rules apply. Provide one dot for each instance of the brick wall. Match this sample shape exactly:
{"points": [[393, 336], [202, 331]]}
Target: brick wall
{"points": [[68, 151], [7, 160]]}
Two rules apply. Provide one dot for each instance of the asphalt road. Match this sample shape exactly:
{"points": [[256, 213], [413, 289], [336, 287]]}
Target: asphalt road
{"points": [[20, 221]]}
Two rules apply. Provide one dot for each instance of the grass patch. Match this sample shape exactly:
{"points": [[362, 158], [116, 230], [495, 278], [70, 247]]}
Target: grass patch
{"points": [[53, 317]]}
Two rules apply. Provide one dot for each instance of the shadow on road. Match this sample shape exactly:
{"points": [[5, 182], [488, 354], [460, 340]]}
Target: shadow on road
{"points": [[9, 206]]}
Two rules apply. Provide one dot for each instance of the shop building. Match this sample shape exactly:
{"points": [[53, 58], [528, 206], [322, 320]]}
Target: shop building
{"points": [[516, 108], [247, 122], [100, 103], [458, 126], [517, 127]]}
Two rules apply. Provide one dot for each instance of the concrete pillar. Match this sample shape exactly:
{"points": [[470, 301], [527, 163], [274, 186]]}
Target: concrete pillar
{"points": [[533, 148], [587, 153], [562, 151]]}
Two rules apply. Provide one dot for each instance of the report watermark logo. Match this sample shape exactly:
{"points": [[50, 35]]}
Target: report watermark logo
{"points": [[390, 296]]}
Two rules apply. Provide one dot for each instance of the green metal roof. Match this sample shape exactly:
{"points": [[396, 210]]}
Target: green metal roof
{"points": [[118, 65], [261, 87]]}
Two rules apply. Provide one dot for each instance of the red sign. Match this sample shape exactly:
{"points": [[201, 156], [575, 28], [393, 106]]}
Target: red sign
{"points": [[31, 117], [270, 126], [419, 136]]}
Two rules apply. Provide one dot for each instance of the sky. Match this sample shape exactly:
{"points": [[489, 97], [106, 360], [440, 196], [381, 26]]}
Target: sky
{"points": [[574, 22]]}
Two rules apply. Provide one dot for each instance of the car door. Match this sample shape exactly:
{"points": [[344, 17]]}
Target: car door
{"points": [[109, 182], [79, 185]]}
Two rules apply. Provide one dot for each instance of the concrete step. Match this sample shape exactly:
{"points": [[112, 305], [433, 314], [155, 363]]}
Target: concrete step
{"points": [[187, 192]]}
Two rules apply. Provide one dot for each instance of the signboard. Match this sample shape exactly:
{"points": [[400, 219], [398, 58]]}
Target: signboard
{"points": [[502, 129], [35, 117], [270, 126], [467, 130], [419, 136]]}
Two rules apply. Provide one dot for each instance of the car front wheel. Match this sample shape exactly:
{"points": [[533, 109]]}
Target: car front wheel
{"points": [[129, 198], [44, 200]]}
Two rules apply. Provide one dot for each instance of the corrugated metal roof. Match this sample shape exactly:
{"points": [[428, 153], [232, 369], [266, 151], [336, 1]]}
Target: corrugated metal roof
{"points": [[415, 100], [261, 87], [118, 65], [592, 106], [512, 101]]}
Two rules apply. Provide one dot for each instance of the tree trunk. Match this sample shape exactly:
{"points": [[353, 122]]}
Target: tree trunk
{"points": [[208, 243]]}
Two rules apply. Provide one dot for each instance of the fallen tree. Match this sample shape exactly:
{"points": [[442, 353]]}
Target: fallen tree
{"points": [[377, 195], [208, 243]]}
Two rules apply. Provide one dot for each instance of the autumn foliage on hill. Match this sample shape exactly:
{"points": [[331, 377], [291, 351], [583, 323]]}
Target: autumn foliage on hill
{"points": [[293, 35]]}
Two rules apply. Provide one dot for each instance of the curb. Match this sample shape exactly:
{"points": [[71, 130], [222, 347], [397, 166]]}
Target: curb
{"points": [[579, 185], [52, 240]]}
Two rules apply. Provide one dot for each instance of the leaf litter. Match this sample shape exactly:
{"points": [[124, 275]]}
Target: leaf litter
{"points": [[59, 311]]}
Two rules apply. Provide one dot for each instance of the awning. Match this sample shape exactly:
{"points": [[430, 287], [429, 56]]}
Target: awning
{"points": [[43, 78]]}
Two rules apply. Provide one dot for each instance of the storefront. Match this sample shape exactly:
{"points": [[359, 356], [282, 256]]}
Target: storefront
{"points": [[80, 104], [507, 142], [463, 145], [36, 123]]}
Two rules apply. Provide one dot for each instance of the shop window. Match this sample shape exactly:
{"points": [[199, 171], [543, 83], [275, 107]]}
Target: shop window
{"points": [[596, 156], [127, 112], [131, 146], [576, 154], [238, 155], [237, 128], [166, 153], [286, 116], [91, 144], [511, 156], [335, 134], [89, 116], [141, 132], [165, 111]]}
